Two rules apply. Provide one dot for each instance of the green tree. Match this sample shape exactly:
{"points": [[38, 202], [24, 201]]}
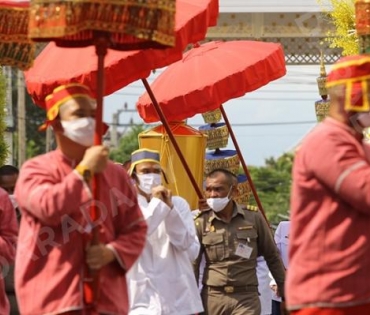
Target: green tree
{"points": [[36, 140], [3, 144], [273, 185], [127, 144]]}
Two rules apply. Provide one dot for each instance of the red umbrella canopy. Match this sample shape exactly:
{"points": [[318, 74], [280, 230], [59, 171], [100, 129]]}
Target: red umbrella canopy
{"points": [[211, 74], [16, 49], [57, 66]]}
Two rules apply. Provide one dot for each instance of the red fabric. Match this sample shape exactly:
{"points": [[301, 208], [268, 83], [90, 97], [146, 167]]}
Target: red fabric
{"points": [[8, 238], [15, 4], [57, 66], [353, 310], [350, 67], [55, 204], [211, 74], [16, 49], [329, 240], [352, 72]]}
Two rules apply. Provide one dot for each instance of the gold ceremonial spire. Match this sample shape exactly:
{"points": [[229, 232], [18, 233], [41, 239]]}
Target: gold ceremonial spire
{"points": [[322, 66], [321, 80], [322, 106]]}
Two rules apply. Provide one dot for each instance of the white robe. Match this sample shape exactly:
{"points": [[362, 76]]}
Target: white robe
{"points": [[282, 242], [162, 281], [264, 286]]}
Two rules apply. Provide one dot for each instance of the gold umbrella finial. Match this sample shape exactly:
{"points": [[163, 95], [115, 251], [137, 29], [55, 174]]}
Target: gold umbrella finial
{"points": [[321, 80], [322, 65], [322, 106]]}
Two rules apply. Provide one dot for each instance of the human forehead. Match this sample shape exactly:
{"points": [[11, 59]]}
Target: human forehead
{"points": [[8, 179], [147, 166], [217, 180]]}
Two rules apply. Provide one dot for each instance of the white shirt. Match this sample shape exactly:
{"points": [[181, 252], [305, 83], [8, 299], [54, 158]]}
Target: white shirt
{"points": [[264, 286], [162, 281], [282, 241]]}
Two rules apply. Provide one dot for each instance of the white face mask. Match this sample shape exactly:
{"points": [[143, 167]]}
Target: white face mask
{"points": [[218, 204], [80, 130], [360, 122], [14, 202], [364, 120], [149, 181]]}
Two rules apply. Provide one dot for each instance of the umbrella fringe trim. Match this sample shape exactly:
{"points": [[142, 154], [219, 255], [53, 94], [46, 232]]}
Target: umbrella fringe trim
{"points": [[17, 55], [127, 20], [14, 24]]}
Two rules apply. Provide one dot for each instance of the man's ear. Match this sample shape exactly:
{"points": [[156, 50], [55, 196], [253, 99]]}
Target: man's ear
{"points": [[234, 191]]}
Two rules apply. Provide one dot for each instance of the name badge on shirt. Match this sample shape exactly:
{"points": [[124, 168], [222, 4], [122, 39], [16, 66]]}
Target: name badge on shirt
{"points": [[244, 251]]}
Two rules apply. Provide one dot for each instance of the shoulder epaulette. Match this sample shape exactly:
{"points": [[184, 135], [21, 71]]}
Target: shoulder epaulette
{"points": [[251, 208]]}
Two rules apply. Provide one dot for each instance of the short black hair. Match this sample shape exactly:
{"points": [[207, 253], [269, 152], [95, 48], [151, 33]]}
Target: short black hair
{"points": [[233, 179], [8, 170]]}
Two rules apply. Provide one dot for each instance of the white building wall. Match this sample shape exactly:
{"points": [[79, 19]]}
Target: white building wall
{"points": [[269, 6]]}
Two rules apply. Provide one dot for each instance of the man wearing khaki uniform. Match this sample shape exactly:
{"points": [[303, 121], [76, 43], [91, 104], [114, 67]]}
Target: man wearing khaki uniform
{"points": [[231, 238]]}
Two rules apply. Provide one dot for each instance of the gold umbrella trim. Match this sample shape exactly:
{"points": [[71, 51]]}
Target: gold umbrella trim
{"points": [[15, 47], [128, 20]]}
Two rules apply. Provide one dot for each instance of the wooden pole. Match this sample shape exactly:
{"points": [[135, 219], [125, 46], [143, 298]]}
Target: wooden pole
{"points": [[244, 165], [172, 138]]}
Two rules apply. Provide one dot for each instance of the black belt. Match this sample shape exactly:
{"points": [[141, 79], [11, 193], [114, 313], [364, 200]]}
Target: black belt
{"points": [[233, 289]]}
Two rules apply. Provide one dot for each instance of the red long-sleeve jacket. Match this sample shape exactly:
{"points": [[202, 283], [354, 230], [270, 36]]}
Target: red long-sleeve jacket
{"points": [[54, 201], [8, 238], [329, 242]]}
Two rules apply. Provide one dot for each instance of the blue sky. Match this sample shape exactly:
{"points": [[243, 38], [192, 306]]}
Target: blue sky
{"points": [[267, 122]]}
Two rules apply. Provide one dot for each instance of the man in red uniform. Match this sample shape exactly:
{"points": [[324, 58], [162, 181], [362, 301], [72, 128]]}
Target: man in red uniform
{"points": [[8, 238], [330, 204], [8, 178], [54, 194]]}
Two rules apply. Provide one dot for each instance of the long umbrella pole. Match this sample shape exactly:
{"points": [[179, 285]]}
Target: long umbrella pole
{"points": [[91, 286], [244, 165], [172, 138]]}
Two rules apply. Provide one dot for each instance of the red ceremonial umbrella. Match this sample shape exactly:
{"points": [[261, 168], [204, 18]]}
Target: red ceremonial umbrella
{"points": [[16, 49], [56, 65], [106, 24], [209, 75]]}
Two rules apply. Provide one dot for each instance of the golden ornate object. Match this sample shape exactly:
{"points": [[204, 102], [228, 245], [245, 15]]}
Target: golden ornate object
{"points": [[131, 23], [218, 135], [321, 80], [244, 190], [364, 44], [322, 106], [15, 47], [192, 144], [362, 16], [322, 109], [226, 159], [212, 117]]}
